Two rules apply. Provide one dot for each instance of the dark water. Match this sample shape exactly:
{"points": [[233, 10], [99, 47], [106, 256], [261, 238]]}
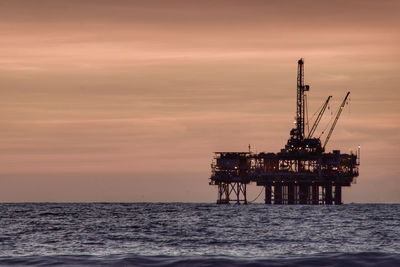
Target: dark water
{"points": [[148, 234]]}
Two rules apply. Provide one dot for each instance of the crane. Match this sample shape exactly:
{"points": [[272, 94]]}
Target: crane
{"points": [[318, 119], [336, 119]]}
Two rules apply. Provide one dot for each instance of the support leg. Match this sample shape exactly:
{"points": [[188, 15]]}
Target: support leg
{"points": [[315, 194], [303, 193], [338, 195], [237, 193], [328, 194], [291, 192], [268, 194], [244, 194], [278, 194]]}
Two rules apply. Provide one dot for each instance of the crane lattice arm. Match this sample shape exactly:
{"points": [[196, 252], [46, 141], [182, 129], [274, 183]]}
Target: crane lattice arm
{"points": [[318, 119], [336, 119]]}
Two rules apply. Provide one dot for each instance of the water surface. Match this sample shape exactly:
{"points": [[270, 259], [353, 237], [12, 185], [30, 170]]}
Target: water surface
{"points": [[199, 234]]}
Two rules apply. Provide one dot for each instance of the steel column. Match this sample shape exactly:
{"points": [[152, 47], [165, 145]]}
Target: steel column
{"points": [[338, 195], [291, 193], [278, 194], [268, 194], [328, 194], [315, 194]]}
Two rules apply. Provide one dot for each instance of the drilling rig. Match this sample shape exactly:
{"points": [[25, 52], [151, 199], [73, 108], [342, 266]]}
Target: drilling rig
{"points": [[301, 173]]}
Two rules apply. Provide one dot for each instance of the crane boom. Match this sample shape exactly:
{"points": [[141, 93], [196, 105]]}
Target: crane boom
{"points": [[336, 119], [318, 119]]}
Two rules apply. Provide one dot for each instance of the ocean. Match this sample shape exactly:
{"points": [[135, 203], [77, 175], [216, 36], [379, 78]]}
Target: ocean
{"points": [[182, 234]]}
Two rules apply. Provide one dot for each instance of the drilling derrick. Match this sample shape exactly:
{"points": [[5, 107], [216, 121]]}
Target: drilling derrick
{"points": [[301, 173], [298, 133]]}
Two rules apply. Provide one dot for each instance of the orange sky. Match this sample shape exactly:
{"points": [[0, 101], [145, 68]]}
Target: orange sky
{"points": [[126, 100]]}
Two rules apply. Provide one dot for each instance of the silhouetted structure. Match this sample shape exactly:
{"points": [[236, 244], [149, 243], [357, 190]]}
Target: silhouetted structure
{"points": [[301, 173]]}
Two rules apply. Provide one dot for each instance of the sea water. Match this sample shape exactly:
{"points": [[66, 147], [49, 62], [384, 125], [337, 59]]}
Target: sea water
{"points": [[180, 234]]}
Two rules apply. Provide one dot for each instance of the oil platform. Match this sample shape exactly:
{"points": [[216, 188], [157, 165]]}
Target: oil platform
{"points": [[301, 173]]}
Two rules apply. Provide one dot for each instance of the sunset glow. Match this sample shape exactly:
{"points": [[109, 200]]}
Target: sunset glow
{"points": [[128, 100]]}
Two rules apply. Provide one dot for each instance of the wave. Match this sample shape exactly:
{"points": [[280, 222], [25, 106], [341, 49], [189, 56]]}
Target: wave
{"points": [[330, 259]]}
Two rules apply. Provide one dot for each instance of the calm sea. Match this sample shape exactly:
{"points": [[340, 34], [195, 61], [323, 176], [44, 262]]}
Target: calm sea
{"points": [[181, 234]]}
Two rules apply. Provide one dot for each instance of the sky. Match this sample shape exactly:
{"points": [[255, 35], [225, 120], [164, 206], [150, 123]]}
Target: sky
{"points": [[127, 100]]}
